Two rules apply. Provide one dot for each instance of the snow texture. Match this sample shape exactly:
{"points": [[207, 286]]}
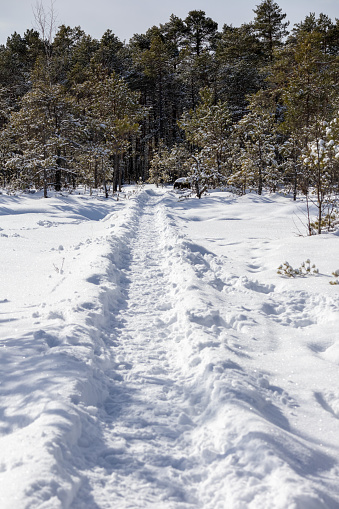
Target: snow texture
{"points": [[152, 357]]}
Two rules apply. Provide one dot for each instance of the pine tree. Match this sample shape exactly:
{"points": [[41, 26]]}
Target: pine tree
{"points": [[199, 32], [328, 31], [256, 150], [111, 53], [303, 81], [111, 112], [208, 128], [17, 60], [42, 134], [164, 70], [239, 62], [239, 59], [290, 150], [197, 65], [269, 25], [159, 166], [321, 162], [155, 62], [62, 49]]}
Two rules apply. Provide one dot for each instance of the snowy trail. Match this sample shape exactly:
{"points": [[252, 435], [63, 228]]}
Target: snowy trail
{"points": [[152, 365], [145, 430], [187, 423]]}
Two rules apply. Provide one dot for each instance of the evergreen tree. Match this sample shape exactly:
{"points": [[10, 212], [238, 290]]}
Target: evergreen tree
{"points": [[256, 150], [62, 50], [321, 162], [173, 32], [269, 25], [290, 150], [328, 31], [239, 59], [158, 173], [41, 135], [197, 65], [116, 108], [207, 128], [154, 73], [304, 81], [155, 62], [111, 113], [199, 32], [17, 60], [111, 53]]}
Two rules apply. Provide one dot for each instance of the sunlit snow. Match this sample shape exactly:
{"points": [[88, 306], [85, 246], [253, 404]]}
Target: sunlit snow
{"points": [[152, 357]]}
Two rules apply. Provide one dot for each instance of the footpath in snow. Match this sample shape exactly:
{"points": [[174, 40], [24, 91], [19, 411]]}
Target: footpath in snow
{"points": [[152, 357]]}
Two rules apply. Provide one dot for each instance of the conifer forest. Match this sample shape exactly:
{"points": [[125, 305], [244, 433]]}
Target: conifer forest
{"points": [[253, 107]]}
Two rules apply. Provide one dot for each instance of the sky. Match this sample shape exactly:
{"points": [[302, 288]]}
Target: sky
{"points": [[127, 17]]}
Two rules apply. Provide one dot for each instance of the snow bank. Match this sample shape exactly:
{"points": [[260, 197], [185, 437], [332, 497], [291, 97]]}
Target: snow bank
{"points": [[60, 280], [256, 455]]}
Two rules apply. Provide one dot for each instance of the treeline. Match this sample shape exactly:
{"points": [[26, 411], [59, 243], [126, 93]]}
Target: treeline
{"points": [[253, 107]]}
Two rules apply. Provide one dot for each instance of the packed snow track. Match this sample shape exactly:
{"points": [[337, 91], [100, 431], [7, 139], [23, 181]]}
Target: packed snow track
{"points": [[145, 454]]}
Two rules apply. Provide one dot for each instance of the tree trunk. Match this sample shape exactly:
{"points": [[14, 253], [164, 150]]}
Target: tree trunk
{"points": [[96, 174], [57, 185], [308, 216], [105, 188], [295, 183], [45, 183], [260, 182], [197, 189], [115, 173], [121, 169]]}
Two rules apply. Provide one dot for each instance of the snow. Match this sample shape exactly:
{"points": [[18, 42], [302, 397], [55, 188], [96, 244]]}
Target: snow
{"points": [[182, 179], [151, 356]]}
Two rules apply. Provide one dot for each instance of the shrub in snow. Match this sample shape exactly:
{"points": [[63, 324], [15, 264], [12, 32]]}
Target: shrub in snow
{"points": [[320, 159], [335, 274], [305, 269], [59, 270], [329, 222]]}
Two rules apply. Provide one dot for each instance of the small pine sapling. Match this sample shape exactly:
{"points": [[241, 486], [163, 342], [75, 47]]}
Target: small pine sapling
{"points": [[305, 269], [335, 281]]}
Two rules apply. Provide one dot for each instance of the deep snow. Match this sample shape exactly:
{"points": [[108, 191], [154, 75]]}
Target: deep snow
{"points": [[151, 356]]}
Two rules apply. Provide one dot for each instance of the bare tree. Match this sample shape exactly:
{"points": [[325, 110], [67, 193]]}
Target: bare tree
{"points": [[46, 24]]}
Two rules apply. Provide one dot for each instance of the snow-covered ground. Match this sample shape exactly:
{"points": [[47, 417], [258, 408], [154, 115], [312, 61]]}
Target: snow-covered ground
{"points": [[152, 357]]}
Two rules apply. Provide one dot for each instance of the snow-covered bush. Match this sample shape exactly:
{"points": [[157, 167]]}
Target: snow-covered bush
{"points": [[329, 222], [320, 159], [335, 281], [305, 269]]}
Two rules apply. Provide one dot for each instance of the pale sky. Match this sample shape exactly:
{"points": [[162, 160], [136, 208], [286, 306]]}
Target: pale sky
{"points": [[127, 17]]}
